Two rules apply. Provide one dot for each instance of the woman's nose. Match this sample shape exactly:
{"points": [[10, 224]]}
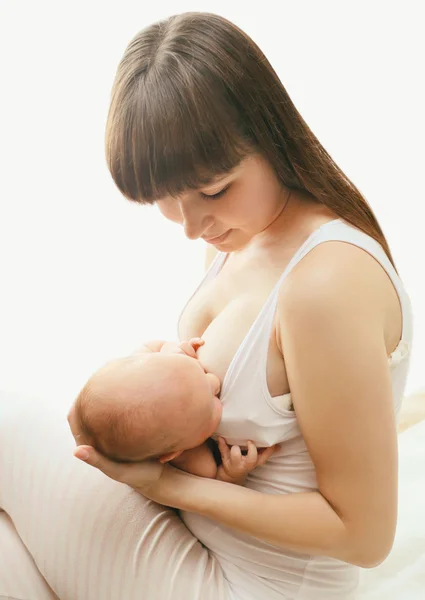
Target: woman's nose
{"points": [[195, 220], [192, 230]]}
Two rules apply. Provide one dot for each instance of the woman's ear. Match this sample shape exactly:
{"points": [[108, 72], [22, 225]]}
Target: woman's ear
{"points": [[169, 456]]}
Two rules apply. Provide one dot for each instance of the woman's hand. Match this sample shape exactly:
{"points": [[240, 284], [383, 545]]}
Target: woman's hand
{"points": [[141, 476]]}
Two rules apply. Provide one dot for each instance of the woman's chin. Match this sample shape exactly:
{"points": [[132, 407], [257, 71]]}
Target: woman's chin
{"points": [[232, 243]]}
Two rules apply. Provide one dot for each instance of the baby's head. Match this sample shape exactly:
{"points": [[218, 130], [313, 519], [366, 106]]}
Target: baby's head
{"points": [[149, 406]]}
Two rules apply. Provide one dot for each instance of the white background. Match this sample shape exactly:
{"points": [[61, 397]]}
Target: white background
{"points": [[84, 273]]}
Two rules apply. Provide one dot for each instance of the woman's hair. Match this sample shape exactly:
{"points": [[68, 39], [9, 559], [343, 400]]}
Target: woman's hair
{"points": [[194, 95]]}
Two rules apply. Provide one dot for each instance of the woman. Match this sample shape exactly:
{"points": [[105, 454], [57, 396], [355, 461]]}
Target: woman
{"points": [[305, 322]]}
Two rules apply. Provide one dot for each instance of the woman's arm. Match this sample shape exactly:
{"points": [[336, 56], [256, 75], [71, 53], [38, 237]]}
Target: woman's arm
{"points": [[331, 329]]}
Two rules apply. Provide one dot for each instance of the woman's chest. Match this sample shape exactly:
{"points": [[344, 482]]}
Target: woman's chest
{"points": [[223, 312]]}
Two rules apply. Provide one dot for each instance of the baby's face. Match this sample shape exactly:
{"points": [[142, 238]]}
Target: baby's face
{"points": [[199, 401]]}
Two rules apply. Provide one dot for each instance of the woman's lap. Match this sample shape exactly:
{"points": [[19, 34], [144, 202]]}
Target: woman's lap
{"points": [[89, 536], [19, 576]]}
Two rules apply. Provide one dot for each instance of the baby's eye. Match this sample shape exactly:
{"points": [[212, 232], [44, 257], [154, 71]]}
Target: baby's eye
{"points": [[217, 195]]}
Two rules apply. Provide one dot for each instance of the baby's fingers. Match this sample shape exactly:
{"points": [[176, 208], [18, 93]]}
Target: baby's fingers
{"points": [[235, 457], [224, 451], [196, 343], [188, 349], [251, 457], [265, 454]]}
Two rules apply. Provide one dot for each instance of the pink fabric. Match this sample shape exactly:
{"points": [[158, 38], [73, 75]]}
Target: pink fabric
{"points": [[19, 575], [90, 537]]}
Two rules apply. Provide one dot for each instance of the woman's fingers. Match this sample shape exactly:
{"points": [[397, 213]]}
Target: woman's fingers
{"points": [[74, 425], [113, 470], [136, 475]]}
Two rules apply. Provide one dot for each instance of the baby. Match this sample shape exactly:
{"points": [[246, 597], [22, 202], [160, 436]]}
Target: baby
{"points": [[160, 403]]}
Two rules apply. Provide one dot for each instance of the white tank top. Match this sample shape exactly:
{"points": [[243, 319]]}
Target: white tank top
{"points": [[255, 569]]}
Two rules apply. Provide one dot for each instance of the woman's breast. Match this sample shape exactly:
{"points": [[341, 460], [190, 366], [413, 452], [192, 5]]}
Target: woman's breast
{"points": [[224, 322]]}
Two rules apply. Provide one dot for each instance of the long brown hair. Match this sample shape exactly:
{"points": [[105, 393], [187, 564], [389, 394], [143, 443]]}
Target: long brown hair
{"points": [[194, 95]]}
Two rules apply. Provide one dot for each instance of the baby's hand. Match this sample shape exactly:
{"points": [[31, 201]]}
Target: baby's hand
{"points": [[189, 348], [235, 466], [192, 346]]}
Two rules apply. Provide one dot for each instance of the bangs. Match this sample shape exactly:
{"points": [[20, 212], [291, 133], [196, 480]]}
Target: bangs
{"points": [[172, 130]]}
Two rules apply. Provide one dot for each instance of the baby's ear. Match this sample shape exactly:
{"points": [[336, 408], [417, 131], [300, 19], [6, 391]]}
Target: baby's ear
{"points": [[169, 456]]}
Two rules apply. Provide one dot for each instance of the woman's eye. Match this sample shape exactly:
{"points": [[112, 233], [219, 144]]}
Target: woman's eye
{"points": [[217, 195]]}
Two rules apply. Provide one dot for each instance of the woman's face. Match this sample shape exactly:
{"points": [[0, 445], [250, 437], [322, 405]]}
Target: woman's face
{"points": [[232, 209]]}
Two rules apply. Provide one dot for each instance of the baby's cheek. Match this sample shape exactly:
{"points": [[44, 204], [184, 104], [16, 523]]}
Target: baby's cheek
{"points": [[214, 383]]}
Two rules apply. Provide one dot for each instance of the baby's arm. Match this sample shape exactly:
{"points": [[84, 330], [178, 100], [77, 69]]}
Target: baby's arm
{"points": [[198, 461], [235, 466]]}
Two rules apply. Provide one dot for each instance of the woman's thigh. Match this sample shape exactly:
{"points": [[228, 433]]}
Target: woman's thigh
{"points": [[19, 576], [89, 536]]}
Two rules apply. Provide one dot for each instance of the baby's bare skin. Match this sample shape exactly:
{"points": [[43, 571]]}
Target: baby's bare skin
{"points": [[200, 460], [235, 465], [161, 388]]}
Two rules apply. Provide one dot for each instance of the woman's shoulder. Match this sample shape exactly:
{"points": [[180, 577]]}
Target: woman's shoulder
{"points": [[334, 265], [338, 280]]}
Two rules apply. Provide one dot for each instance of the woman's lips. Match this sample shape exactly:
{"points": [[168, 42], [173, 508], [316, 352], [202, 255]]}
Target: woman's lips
{"points": [[217, 239]]}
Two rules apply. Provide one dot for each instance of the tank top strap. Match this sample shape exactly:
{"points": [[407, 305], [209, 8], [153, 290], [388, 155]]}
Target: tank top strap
{"points": [[257, 339], [341, 230], [319, 235]]}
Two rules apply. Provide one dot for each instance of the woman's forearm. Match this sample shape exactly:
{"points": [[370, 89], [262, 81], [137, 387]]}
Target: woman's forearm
{"points": [[303, 522]]}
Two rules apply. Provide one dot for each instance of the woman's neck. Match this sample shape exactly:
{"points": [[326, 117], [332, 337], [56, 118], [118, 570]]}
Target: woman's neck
{"points": [[298, 218]]}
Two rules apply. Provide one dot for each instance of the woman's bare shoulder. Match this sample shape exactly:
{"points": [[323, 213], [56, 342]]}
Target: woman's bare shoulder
{"points": [[335, 263], [346, 277], [335, 280]]}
